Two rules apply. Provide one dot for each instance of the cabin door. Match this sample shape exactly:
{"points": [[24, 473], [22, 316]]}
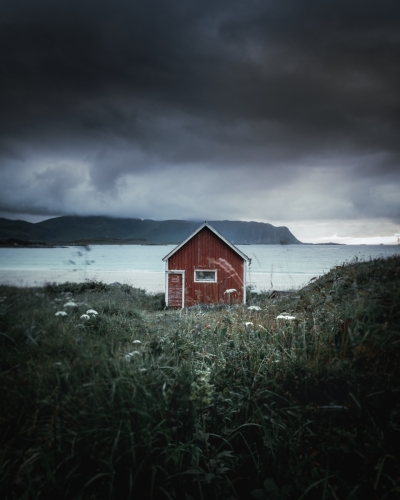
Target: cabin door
{"points": [[175, 290]]}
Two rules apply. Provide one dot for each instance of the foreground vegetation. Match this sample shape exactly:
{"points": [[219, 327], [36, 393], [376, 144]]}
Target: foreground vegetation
{"points": [[210, 402]]}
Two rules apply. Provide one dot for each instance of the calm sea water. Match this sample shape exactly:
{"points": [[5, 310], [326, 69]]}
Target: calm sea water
{"points": [[277, 267]]}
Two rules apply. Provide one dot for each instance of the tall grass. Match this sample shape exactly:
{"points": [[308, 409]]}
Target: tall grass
{"points": [[209, 402]]}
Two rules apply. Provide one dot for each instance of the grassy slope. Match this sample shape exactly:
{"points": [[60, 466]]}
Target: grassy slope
{"points": [[205, 406]]}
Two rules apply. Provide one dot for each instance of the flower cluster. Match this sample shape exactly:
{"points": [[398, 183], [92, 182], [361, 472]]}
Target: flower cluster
{"points": [[90, 313], [286, 317]]}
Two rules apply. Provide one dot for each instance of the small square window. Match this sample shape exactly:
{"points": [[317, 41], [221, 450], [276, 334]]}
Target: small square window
{"points": [[208, 276]]}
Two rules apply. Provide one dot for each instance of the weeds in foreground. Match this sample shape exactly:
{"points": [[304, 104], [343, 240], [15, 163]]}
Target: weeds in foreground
{"points": [[216, 402]]}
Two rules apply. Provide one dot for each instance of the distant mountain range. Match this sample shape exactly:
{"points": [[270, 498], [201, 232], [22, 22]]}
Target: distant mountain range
{"points": [[106, 230]]}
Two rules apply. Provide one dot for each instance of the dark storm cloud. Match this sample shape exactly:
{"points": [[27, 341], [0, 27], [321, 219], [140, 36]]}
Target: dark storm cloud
{"points": [[132, 88]]}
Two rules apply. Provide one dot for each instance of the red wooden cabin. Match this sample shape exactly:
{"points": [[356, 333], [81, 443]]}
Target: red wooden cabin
{"points": [[205, 269]]}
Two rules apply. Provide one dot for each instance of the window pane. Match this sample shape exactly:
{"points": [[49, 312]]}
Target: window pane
{"points": [[205, 275]]}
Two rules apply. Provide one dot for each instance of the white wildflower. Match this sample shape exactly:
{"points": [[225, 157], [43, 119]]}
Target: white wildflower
{"points": [[60, 313], [254, 308], [230, 290], [132, 354], [136, 342], [85, 316], [70, 304], [91, 311], [286, 317], [248, 323], [142, 370]]}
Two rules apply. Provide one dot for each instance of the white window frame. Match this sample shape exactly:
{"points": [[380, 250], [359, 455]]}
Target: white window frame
{"points": [[207, 271]]}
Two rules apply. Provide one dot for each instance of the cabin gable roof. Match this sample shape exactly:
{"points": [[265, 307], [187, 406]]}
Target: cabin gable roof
{"points": [[174, 250]]}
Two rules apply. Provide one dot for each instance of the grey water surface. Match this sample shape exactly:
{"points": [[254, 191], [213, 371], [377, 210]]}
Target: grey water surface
{"points": [[279, 267]]}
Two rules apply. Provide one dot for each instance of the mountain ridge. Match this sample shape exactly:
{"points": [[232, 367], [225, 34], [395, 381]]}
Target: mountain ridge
{"points": [[88, 229]]}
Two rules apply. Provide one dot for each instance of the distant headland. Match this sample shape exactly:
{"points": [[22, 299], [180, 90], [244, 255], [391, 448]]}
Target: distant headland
{"points": [[98, 230]]}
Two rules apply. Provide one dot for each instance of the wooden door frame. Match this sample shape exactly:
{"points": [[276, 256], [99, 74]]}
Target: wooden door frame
{"points": [[167, 285]]}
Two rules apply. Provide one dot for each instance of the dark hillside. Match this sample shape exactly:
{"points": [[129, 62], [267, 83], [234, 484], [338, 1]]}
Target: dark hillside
{"points": [[21, 230], [70, 229], [242, 233]]}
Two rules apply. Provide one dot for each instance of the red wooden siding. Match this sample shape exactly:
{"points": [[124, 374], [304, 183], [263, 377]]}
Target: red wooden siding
{"points": [[206, 251]]}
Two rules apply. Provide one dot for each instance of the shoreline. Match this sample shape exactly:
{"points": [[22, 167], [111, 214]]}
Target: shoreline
{"points": [[152, 281]]}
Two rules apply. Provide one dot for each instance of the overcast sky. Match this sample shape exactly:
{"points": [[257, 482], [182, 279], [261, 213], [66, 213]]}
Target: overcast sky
{"points": [[284, 111]]}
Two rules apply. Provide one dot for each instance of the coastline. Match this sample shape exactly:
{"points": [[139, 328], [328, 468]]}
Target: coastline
{"points": [[152, 281]]}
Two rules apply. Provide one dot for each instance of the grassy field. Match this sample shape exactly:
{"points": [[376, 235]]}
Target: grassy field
{"points": [[206, 403]]}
